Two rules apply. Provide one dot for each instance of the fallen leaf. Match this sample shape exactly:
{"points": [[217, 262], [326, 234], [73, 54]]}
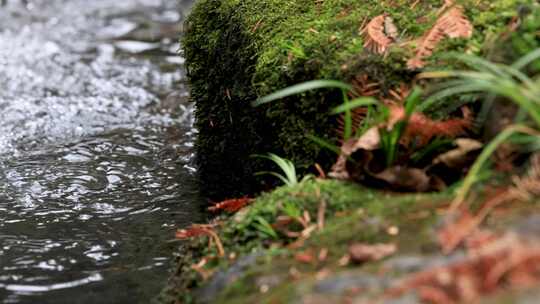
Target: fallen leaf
{"points": [[198, 230], [231, 205], [453, 24], [422, 128], [377, 39], [457, 157], [504, 261], [323, 254], [369, 141], [305, 257], [361, 253]]}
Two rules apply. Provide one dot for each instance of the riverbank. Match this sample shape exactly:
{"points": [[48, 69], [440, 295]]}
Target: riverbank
{"points": [[322, 239], [327, 257]]}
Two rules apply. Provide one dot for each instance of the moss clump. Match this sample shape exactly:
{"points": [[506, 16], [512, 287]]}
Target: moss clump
{"points": [[237, 51], [353, 214]]}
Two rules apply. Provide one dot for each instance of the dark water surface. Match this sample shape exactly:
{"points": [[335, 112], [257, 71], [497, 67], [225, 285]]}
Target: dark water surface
{"points": [[95, 149]]}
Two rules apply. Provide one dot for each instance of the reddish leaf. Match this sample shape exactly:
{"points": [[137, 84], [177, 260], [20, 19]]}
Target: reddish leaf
{"points": [[379, 34], [361, 253], [231, 205], [453, 24]]}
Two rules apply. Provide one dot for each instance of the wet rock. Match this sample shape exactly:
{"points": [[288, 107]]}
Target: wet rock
{"points": [[344, 282], [405, 263], [530, 226], [224, 278]]}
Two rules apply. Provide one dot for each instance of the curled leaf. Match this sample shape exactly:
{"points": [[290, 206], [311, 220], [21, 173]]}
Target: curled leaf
{"points": [[423, 128], [457, 157], [362, 253], [379, 34], [231, 205], [369, 142], [452, 24], [198, 230]]}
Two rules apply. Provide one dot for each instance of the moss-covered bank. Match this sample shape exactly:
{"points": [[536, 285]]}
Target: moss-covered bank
{"points": [[237, 51], [352, 214], [261, 268]]}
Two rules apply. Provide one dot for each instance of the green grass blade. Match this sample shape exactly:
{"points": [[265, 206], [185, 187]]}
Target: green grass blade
{"points": [[482, 65], [347, 132], [355, 103], [448, 92], [526, 60], [474, 172], [300, 88], [281, 177], [262, 225]]}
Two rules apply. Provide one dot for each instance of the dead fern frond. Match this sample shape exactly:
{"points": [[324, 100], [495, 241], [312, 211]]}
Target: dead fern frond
{"points": [[199, 230], [231, 205], [358, 115], [453, 24], [362, 87], [498, 261], [397, 96], [422, 128], [379, 34]]}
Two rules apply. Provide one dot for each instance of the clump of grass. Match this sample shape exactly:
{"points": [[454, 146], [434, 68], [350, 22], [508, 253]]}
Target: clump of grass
{"points": [[289, 176], [494, 79]]}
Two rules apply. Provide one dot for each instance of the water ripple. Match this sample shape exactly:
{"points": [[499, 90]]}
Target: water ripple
{"points": [[96, 149]]}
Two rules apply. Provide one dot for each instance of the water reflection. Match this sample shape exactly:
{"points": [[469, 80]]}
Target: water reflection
{"points": [[96, 160]]}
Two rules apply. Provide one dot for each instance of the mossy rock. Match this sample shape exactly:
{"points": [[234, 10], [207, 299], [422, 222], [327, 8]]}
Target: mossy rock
{"points": [[262, 268], [237, 51]]}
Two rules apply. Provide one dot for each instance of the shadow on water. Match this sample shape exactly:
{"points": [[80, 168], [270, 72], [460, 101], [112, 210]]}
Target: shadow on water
{"points": [[96, 149]]}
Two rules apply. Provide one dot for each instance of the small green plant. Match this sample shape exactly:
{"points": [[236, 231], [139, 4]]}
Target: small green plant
{"points": [[495, 79], [474, 173], [262, 225], [380, 113], [289, 176], [291, 210], [377, 113]]}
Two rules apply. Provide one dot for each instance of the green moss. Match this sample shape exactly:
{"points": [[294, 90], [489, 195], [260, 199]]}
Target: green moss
{"points": [[237, 51], [353, 214]]}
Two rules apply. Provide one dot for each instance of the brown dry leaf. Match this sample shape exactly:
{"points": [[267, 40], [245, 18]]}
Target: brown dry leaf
{"points": [[199, 268], [195, 230], [453, 24], [362, 253], [231, 205], [452, 234], [524, 189], [305, 257], [457, 157], [198, 230], [377, 39], [504, 261], [368, 142], [405, 179], [423, 128], [363, 86]]}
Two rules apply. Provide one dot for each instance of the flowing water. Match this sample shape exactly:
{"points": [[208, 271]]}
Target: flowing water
{"points": [[95, 149]]}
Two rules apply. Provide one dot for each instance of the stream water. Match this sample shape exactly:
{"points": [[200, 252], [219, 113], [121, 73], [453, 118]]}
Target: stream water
{"points": [[96, 159]]}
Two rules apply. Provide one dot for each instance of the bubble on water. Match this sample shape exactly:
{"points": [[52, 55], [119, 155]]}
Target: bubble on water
{"points": [[58, 84]]}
